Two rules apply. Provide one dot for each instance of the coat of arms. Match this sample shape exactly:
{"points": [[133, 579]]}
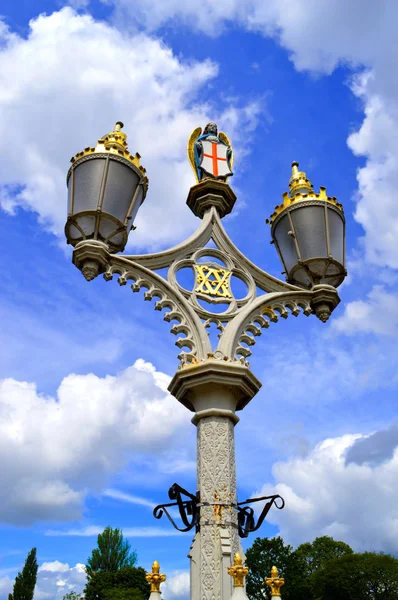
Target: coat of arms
{"points": [[210, 153]]}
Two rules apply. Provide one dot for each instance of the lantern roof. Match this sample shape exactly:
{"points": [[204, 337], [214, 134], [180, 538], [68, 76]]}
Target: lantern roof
{"points": [[301, 189], [114, 142]]}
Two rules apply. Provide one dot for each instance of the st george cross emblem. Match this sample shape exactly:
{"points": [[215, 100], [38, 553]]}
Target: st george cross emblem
{"points": [[210, 153], [212, 282], [214, 159]]}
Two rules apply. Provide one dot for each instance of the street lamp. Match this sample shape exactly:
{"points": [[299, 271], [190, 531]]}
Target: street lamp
{"points": [[106, 188]]}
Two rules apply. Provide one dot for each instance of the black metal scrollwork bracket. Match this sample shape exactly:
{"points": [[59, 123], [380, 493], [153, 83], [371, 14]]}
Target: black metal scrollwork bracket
{"points": [[246, 522], [188, 509]]}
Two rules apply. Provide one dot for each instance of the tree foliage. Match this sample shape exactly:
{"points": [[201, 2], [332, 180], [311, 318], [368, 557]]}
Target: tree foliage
{"points": [[324, 548], [297, 567], [260, 558], [25, 581], [72, 596], [128, 583], [112, 553], [367, 576]]}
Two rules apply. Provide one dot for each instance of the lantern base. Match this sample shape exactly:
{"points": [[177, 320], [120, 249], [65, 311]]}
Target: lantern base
{"points": [[317, 271], [324, 301], [208, 193], [91, 258]]}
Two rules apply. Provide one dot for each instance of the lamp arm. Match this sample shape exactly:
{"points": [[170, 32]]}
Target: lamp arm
{"points": [[240, 333], [160, 260], [194, 336], [263, 280]]}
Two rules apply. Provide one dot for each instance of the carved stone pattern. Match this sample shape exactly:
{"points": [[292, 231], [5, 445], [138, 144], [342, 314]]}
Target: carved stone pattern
{"points": [[216, 481]]}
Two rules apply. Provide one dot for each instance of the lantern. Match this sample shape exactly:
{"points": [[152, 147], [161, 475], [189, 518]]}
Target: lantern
{"points": [[308, 230], [106, 186]]}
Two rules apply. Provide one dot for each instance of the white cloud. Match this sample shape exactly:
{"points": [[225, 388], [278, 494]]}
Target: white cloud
{"points": [[128, 532], [378, 314], [176, 586], [5, 587], [321, 35], [130, 498], [327, 495], [55, 579], [53, 450], [67, 83]]}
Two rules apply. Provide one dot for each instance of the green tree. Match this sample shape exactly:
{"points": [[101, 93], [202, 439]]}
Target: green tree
{"points": [[121, 585], [72, 596], [315, 554], [367, 576], [260, 558], [297, 567], [25, 581], [122, 594], [113, 553]]}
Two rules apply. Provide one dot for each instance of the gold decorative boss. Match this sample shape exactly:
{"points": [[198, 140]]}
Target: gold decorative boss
{"points": [[212, 281]]}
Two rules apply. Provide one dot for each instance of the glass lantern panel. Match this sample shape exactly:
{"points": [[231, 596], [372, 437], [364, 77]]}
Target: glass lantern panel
{"points": [[107, 227], [136, 206], [286, 242], [120, 187], [318, 269], [301, 277], [117, 239], [87, 223], [88, 176], [74, 233], [309, 226], [336, 235]]}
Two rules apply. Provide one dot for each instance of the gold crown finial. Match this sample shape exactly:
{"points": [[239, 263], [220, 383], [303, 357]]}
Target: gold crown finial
{"points": [[119, 125], [238, 571], [275, 582], [299, 183], [155, 578]]}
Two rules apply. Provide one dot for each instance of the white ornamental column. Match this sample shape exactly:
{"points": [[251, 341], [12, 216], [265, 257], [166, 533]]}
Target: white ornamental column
{"points": [[215, 390]]}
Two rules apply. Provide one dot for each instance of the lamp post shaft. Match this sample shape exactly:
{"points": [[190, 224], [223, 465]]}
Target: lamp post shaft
{"points": [[218, 538], [215, 390]]}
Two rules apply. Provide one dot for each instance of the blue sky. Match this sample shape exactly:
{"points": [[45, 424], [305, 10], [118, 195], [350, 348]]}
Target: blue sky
{"points": [[84, 367]]}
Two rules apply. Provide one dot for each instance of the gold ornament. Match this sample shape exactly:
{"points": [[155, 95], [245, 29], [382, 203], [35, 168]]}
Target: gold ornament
{"points": [[301, 189], [155, 578], [238, 571], [212, 282], [114, 142], [275, 582]]}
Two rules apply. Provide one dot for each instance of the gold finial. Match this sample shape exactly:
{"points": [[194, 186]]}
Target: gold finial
{"points": [[155, 578], [301, 190], [299, 183], [238, 571], [275, 582], [114, 142]]}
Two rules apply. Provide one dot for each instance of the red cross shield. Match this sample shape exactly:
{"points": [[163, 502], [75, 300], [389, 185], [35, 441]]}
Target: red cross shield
{"points": [[214, 159]]}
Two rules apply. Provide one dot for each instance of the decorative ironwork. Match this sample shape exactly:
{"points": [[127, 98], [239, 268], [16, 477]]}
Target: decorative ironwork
{"points": [[186, 508], [246, 521], [191, 508]]}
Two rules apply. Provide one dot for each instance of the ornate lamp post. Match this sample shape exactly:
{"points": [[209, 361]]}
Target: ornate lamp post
{"points": [[106, 187]]}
